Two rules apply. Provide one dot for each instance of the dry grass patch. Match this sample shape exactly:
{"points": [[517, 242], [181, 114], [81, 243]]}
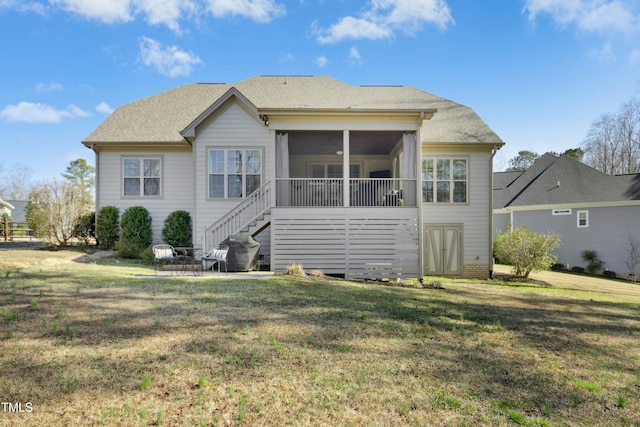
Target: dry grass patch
{"points": [[102, 347]]}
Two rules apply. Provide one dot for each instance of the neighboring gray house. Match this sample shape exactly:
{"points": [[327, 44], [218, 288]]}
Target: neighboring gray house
{"points": [[365, 181], [19, 213], [589, 209]]}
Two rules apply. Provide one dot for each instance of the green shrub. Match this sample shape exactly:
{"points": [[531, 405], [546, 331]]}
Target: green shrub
{"points": [[177, 229], [527, 251], [610, 274], [86, 227], [136, 232], [577, 269], [107, 227]]}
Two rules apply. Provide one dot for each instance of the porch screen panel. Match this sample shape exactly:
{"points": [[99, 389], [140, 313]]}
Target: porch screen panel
{"points": [[409, 168], [283, 185]]}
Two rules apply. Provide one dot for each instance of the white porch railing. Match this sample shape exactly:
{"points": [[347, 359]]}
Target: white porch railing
{"points": [[242, 216], [328, 192]]}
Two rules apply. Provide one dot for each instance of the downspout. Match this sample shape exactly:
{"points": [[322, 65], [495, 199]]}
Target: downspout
{"points": [[494, 150]]}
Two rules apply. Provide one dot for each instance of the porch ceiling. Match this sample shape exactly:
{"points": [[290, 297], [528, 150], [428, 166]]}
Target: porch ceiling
{"points": [[328, 142]]}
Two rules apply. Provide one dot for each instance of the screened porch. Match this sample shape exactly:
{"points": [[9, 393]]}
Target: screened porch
{"points": [[343, 169]]}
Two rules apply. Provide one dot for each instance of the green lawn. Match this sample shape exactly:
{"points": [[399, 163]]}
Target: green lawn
{"points": [[89, 343]]}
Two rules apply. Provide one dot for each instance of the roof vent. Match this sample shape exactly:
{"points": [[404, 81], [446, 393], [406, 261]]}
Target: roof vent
{"points": [[354, 106]]}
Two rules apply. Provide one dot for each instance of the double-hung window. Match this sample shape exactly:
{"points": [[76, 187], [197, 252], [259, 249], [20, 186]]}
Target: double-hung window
{"points": [[444, 180], [234, 173], [141, 176]]}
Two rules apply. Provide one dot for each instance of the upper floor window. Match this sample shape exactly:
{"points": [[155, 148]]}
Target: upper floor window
{"points": [[234, 173], [583, 219], [444, 180], [141, 176]]}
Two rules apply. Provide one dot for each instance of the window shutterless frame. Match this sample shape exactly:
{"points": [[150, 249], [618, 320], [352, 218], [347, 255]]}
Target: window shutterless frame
{"points": [[233, 172], [445, 180], [141, 176]]}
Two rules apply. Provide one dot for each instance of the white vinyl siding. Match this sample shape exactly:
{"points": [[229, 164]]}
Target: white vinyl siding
{"points": [[231, 127], [474, 215], [176, 184]]}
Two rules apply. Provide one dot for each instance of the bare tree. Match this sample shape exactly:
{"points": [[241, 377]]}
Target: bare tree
{"points": [[16, 185], [55, 209], [634, 258], [613, 143]]}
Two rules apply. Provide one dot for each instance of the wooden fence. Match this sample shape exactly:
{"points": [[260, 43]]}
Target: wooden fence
{"points": [[10, 229]]}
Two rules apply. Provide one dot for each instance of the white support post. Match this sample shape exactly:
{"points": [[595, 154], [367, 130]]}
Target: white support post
{"points": [[345, 168]]}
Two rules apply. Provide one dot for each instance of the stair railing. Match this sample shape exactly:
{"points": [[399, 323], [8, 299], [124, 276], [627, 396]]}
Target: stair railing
{"points": [[240, 217]]}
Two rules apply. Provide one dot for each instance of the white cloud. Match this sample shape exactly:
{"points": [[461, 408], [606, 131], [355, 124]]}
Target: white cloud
{"points": [[352, 28], [321, 61], [104, 108], [109, 11], [634, 57], [605, 54], [23, 6], [156, 12], [30, 112], [597, 16], [170, 61], [48, 87], [354, 55], [384, 17], [258, 10]]}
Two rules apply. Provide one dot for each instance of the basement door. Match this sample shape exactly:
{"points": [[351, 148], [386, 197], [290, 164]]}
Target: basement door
{"points": [[443, 250]]}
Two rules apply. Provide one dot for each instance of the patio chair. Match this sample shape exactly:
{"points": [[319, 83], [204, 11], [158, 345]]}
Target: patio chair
{"points": [[163, 255], [217, 255]]}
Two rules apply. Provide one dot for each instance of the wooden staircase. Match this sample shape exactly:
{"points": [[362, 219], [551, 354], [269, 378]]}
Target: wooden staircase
{"points": [[251, 215]]}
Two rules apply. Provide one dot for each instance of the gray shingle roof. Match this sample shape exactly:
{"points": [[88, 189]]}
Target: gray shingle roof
{"points": [[562, 180], [161, 118]]}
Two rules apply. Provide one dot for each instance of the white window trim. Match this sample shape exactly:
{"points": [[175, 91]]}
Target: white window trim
{"points": [[226, 171], [561, 212], [141, 195], [586, 217], [451, 180]]}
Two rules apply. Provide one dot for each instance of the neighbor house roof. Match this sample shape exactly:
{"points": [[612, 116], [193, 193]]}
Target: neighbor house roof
{"points": [[163, 117], [19, 213], [562, 180], [7, 205]]}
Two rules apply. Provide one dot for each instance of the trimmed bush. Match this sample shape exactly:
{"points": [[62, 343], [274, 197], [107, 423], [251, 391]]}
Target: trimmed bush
{"points": [[577, 269], [177, 229], [136, 232], [610, 274], [107, 227]]}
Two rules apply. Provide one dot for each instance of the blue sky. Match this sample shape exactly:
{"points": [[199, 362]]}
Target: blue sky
{"points": [[537, 71]]}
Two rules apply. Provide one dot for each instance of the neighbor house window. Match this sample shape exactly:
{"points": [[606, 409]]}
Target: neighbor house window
{"points": [[583, 219], [561, 212], [234, 173], [141, 176], [444, 180]]}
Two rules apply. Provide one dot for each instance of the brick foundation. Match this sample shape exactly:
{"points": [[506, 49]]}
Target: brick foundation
{"points": [[476, 271]]}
